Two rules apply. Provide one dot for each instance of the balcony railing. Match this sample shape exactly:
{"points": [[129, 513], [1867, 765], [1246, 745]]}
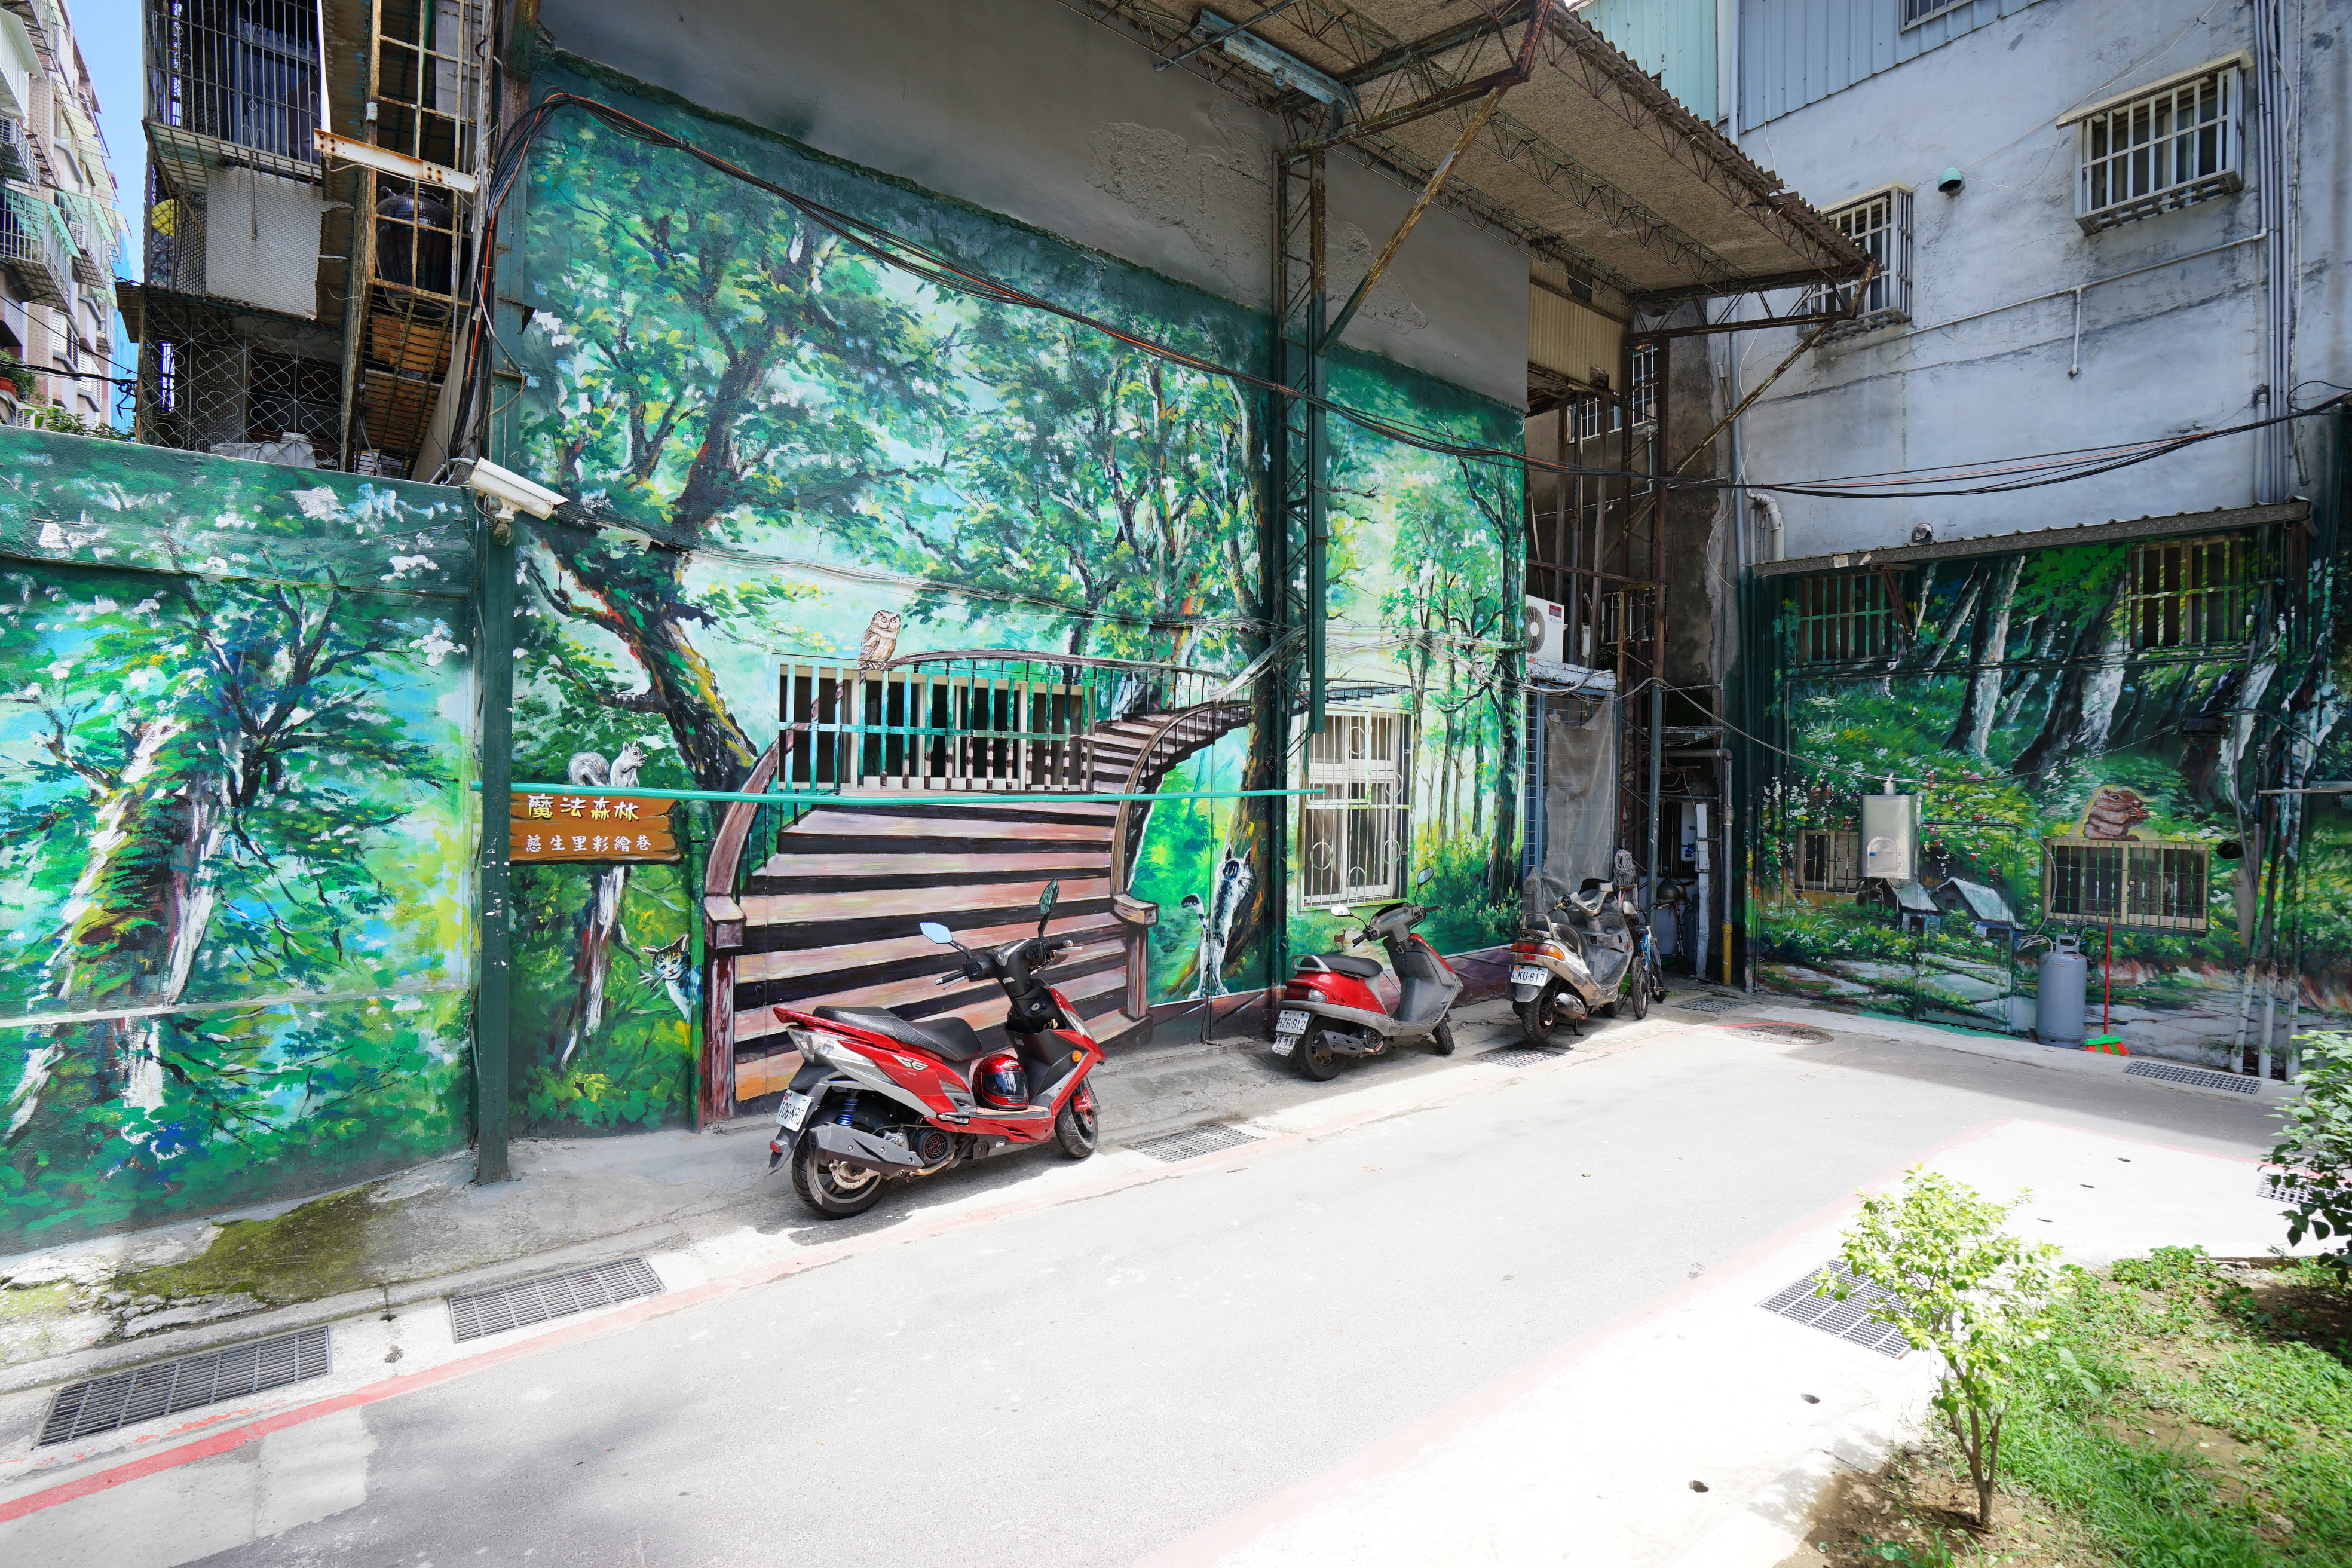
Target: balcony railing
{"points": [[239, 72], [37, 248]]}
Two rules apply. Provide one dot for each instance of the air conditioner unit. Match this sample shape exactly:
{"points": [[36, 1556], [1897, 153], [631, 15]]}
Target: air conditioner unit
{"points": [[1547, 630]]}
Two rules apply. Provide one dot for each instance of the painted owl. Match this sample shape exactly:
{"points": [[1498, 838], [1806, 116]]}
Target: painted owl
{"points": [[881, 640]]}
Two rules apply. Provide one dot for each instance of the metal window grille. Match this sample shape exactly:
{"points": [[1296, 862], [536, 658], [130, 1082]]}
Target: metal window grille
{"points": [[2171, 148], [36, 247], [2161, 885], [211, 374], [1880, 225], [1352, 837], [1829, 861], [2192, 592], [244, 72], [1843, 617], [1916, 11]]}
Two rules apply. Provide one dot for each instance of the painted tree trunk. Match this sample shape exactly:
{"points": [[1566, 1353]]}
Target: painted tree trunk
{"points": [[2082, 707], [1972, 731], [594, 964]]}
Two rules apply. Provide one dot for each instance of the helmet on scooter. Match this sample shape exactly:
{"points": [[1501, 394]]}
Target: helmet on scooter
{"points": [[1000, 1083]]}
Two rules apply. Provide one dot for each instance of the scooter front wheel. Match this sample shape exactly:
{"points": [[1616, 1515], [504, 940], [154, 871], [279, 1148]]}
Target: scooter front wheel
{"points": [[831, 1189], [1314, 1055], [1440, 1038], [1076, 1128]]}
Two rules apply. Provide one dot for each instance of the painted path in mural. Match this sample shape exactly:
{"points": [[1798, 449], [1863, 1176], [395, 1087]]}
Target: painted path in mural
{"points": [[1449, 1281]]}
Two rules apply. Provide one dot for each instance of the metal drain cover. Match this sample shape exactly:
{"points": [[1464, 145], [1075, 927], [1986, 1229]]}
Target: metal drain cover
{"points": [[2197, 1078], [104, 1403], [1704, 1001], [1848, 1319], [556, 1296], [2284, 1189], [1522, 1056], [1804, 1032], [1194, 1142]]}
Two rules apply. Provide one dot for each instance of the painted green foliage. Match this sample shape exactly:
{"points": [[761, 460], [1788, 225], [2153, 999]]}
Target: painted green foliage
{"points": [[2016, 687], [843, 451], [238, 787]]}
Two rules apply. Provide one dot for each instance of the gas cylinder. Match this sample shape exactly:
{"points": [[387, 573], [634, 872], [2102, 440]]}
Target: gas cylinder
{"points": [[2060, 991]]}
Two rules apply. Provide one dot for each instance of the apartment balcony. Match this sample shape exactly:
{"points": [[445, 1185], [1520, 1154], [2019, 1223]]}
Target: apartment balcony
{"points": [[37, 248], [234, 84]]}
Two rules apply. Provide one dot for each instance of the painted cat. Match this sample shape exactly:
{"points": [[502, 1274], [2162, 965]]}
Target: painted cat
{"points": [[669, 971]]}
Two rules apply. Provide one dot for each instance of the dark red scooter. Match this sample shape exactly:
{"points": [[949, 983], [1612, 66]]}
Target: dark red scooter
{"points": [[879, 1095], [1330, 1009]]}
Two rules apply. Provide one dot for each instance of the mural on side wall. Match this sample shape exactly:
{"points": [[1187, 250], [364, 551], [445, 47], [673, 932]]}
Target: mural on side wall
{"points": [[2087, 729], [874, 539], [236, 853]]}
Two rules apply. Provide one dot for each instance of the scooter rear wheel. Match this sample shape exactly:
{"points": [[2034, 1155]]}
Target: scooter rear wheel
{"points": [[1314, 1055], [833, 1190], [1538, 1017]]}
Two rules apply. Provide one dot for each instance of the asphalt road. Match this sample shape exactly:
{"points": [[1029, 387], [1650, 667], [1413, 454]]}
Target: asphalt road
{"points": [[1094, 1382]]}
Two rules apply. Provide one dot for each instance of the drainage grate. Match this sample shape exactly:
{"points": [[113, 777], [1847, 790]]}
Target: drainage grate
{"points": [[1521, 1056], [167, 1387], [1195, 1141], [2284, 1189], [557, 1296], [2195, 1077], [1848, 1319], [1704, 1001]]}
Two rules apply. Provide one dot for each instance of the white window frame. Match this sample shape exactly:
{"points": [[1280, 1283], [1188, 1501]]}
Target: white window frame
{"points": [[1879, 222], [2157, 148], [1917, 11], [2161, 884], [1355, 837], [1838, 851]]}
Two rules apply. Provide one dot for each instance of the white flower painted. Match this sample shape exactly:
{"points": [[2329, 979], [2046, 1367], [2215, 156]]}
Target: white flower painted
{"points": [[320, 504]]}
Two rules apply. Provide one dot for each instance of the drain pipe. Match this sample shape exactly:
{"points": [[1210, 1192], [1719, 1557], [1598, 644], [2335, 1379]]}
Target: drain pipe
{"points": [[2276, 112], [1776, 529]]}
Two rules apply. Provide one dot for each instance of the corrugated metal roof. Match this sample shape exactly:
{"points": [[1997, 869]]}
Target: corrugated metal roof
{"points": [[1589, 161]]}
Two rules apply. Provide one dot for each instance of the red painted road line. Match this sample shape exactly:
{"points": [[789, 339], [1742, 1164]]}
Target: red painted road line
{"points": [[1287, 1507], [670, 1301]]}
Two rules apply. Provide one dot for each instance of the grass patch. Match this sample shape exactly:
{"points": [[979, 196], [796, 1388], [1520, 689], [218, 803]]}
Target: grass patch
{"points": [[2187, 1413]]}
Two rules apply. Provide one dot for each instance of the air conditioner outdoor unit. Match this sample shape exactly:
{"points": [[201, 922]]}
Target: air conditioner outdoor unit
{"points": [[1547, 630]]}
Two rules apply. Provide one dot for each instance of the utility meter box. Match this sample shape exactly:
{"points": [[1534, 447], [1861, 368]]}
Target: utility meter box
{"points": [[1890, 836]]}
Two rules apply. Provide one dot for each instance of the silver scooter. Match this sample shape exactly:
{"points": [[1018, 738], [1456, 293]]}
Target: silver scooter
{"points": [[1597, 961]]}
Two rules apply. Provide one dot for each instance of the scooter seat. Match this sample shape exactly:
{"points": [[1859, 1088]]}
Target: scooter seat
{"points": [[1349, 964], [949, 1038]]}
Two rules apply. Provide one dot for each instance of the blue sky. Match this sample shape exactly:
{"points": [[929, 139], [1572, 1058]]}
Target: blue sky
{"points": [[109, 33]]}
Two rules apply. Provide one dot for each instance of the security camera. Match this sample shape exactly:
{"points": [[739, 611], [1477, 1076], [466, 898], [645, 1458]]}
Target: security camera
{"points": [[509, 492]]}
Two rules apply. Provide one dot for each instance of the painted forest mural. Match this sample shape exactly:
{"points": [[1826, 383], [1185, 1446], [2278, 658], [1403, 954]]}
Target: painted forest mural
{"points": [[236, 853], [2044, 705], [821, 481]]}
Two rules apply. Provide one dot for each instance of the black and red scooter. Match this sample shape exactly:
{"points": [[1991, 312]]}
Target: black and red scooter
{"points": [[879, 1095]]}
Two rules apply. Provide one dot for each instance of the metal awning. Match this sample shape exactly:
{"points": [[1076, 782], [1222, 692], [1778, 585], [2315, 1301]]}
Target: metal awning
{"points": [[1585, 157], [2220, 519]]}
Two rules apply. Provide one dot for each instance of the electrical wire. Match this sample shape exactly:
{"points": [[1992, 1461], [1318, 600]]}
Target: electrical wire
{"points": [[898, 252]]}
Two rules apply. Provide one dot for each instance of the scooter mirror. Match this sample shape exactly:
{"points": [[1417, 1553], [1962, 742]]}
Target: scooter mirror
{"points": [[1046, 902], [934, 931], [1428, 875]]}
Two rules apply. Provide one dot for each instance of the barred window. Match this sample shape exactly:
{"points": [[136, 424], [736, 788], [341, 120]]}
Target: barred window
{"points": [[1353, 835], [2170, 146], [1880, 226], [2161, 885], [1842, 617], [1829, 861], [2192, 592]]}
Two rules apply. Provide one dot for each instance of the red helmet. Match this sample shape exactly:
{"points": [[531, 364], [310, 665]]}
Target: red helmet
{"points": [[1000, 1083]]}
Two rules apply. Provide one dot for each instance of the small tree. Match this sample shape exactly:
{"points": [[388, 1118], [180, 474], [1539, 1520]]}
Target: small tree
{"points": [[2315, 1145], [1961, 1284]]}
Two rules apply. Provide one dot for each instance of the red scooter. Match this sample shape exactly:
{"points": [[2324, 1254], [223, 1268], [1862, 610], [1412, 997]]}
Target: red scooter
{"points": [[1330, 1009], [880, 1096]]}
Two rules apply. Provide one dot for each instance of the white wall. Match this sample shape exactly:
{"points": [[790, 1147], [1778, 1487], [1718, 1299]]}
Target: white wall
{"points": [[1026, 108], [2173, 350]]}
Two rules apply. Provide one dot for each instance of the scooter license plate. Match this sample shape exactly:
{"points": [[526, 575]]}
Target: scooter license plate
{"points": [[1290, 1022], [1285, 1044], [792, 1112], [1527, 975]]}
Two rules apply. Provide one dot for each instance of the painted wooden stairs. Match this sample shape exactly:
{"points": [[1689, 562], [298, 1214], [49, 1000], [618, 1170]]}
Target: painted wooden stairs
{"points": [[831, 916]]}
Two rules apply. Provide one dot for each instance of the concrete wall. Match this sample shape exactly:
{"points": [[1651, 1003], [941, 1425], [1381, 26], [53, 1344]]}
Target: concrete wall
{"points": [[1027, 108], [1978, 374]]}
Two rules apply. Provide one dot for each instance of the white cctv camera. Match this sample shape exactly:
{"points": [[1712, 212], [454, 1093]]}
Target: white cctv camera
{"points": [[509, 492]]}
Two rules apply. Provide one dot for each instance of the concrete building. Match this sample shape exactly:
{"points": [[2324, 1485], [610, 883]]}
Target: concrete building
{"points": [[59, 235], [2098, 229]]}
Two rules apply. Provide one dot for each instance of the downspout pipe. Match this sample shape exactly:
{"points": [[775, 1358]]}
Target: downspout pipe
{"points": [[1776, 531]]}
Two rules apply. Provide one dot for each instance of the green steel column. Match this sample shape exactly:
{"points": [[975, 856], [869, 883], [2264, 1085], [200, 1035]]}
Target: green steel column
{"points": [[493, 1007], [1318, 455]]}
